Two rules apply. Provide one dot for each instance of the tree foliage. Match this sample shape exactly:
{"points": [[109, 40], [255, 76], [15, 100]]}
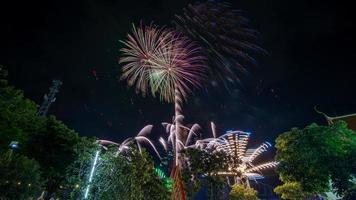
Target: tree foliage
{"points": [[199, 164], [44, 139], [19, 176], [77, 172], [316, 155], [117, 176], [240, 192], [53, 146], [291, 191], [18, 116]]}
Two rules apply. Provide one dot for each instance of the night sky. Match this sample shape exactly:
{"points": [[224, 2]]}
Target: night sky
{"points": [[311, 61]]}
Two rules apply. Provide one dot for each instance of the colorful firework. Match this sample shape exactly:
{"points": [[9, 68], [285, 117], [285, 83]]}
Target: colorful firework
{"points": [[141, 45], [127, 144], [162, 62], [227, 40], [176, 143], [240, 159]]}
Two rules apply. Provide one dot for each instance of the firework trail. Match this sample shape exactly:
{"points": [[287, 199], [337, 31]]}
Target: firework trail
{"points": [[226, 37], [126, 145], [165, 63]]}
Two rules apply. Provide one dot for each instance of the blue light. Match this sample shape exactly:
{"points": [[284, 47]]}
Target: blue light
{"points": [[14, 145]]}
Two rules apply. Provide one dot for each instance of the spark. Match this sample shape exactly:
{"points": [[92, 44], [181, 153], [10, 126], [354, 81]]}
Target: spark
{"points": [[240, 159], [262, 166], [159, 61], [225, 37], [163, 142], [138, 139], [262, 148]]}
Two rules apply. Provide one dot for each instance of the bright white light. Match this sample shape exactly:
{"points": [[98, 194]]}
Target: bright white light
{"points": [[91, 174], [86, 192], [239, 158]]}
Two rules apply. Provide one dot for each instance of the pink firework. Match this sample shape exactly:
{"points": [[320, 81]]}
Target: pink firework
{"points": [[162, 61]]}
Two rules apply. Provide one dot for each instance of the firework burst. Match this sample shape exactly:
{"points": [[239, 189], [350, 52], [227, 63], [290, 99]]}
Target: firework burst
{"points": [[227, 40], [161, 62], [127, 144], [240, 160], [139, 49]]}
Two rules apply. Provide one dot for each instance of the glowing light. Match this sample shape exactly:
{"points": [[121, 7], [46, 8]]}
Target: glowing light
{"points": [[240, 159], [125, 146], [262, 166], [160, 173], [262, 148], [91, 175], [163, 143], [176, 143], [168, 183], [139, 138], [161, 61], [14, 145]]}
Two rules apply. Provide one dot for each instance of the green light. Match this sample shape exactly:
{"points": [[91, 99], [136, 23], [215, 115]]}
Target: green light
{"points": [[168, 183], [160, 173]]}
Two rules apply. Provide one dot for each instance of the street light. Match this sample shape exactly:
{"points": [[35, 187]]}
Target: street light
{"points": [[14, 145]]}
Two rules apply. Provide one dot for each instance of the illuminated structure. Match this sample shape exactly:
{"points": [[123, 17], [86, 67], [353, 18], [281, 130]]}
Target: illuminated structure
{"points": [[49, 98], [240, 167]]}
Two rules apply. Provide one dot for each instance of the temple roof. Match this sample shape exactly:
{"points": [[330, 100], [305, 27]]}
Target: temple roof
{"points": [[350, 119]]}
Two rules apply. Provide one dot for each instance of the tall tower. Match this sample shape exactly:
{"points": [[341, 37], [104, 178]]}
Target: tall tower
{"points": [[49, 98]]}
